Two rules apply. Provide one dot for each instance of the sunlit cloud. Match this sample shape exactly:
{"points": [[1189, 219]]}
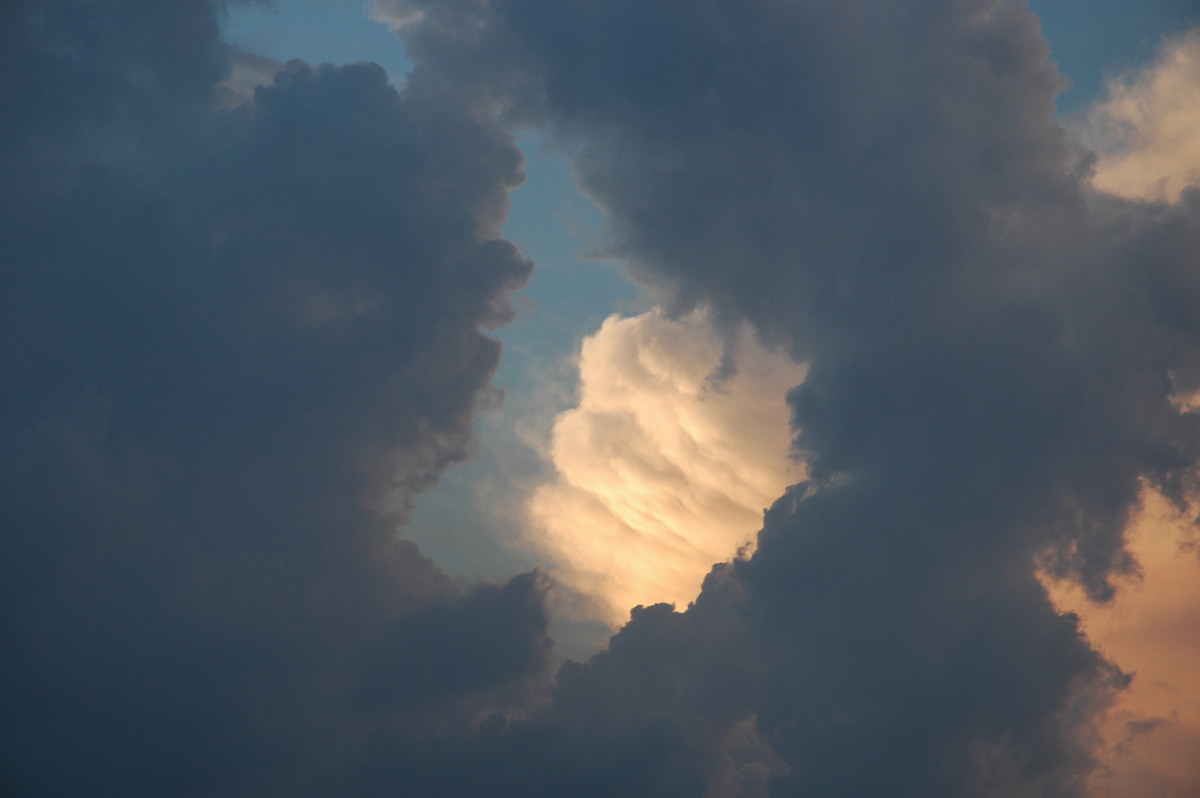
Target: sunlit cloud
{"points": [[1152, 736], [1147, 130], [679, 441], [247, 71], [396, 14], [1146, 134]]}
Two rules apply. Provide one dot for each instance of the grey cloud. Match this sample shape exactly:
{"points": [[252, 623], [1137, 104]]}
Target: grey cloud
{"points": [[995, 353], [235, 341], [232, 335], [656, 714]]}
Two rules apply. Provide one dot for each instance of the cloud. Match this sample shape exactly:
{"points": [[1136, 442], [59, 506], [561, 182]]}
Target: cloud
{"points": [[1144, 131], [1152, 739], [248, 71], [882, 190], [234, 339], [395, 15], [666, 464]]}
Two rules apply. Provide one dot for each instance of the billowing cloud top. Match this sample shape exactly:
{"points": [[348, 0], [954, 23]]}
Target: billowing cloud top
{"points": [[232, 334], [666, 464], [230, 339]]}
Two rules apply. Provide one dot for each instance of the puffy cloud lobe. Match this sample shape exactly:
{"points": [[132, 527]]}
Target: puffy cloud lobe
{"points": [[661, 712], [234, 341], [1144, 132], [995, 351], [666, 464]]}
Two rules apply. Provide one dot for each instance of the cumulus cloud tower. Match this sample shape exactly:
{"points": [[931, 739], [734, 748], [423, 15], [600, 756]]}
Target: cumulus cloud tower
{"points": [[679, 442]]}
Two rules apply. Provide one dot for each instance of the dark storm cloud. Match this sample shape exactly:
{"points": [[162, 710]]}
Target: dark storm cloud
{"points": [[994, 349], [236, 336]]}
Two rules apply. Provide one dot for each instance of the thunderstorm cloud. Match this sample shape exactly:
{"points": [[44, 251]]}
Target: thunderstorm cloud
{"points": [[240, 329]]}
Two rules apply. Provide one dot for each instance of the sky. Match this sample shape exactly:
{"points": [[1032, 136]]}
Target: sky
{"points": [[600, 398]]}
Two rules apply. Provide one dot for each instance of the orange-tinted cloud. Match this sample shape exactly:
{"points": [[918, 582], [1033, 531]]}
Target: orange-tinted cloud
{"points": [[1147, 136], [1147, 131], [667, 463], [1152, 630]]}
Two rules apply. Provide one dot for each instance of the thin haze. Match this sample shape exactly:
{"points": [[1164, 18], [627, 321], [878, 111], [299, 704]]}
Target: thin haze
{"points": [[240, 330]]}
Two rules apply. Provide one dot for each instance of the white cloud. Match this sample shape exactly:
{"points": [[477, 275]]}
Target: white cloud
{"points": [[667, 463], [1147, 131]]}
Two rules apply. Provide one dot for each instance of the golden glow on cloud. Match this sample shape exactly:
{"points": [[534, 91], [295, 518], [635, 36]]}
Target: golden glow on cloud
{"points": [[1152, 629], [1147, 132], [1147, 136], [666, 465]]}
